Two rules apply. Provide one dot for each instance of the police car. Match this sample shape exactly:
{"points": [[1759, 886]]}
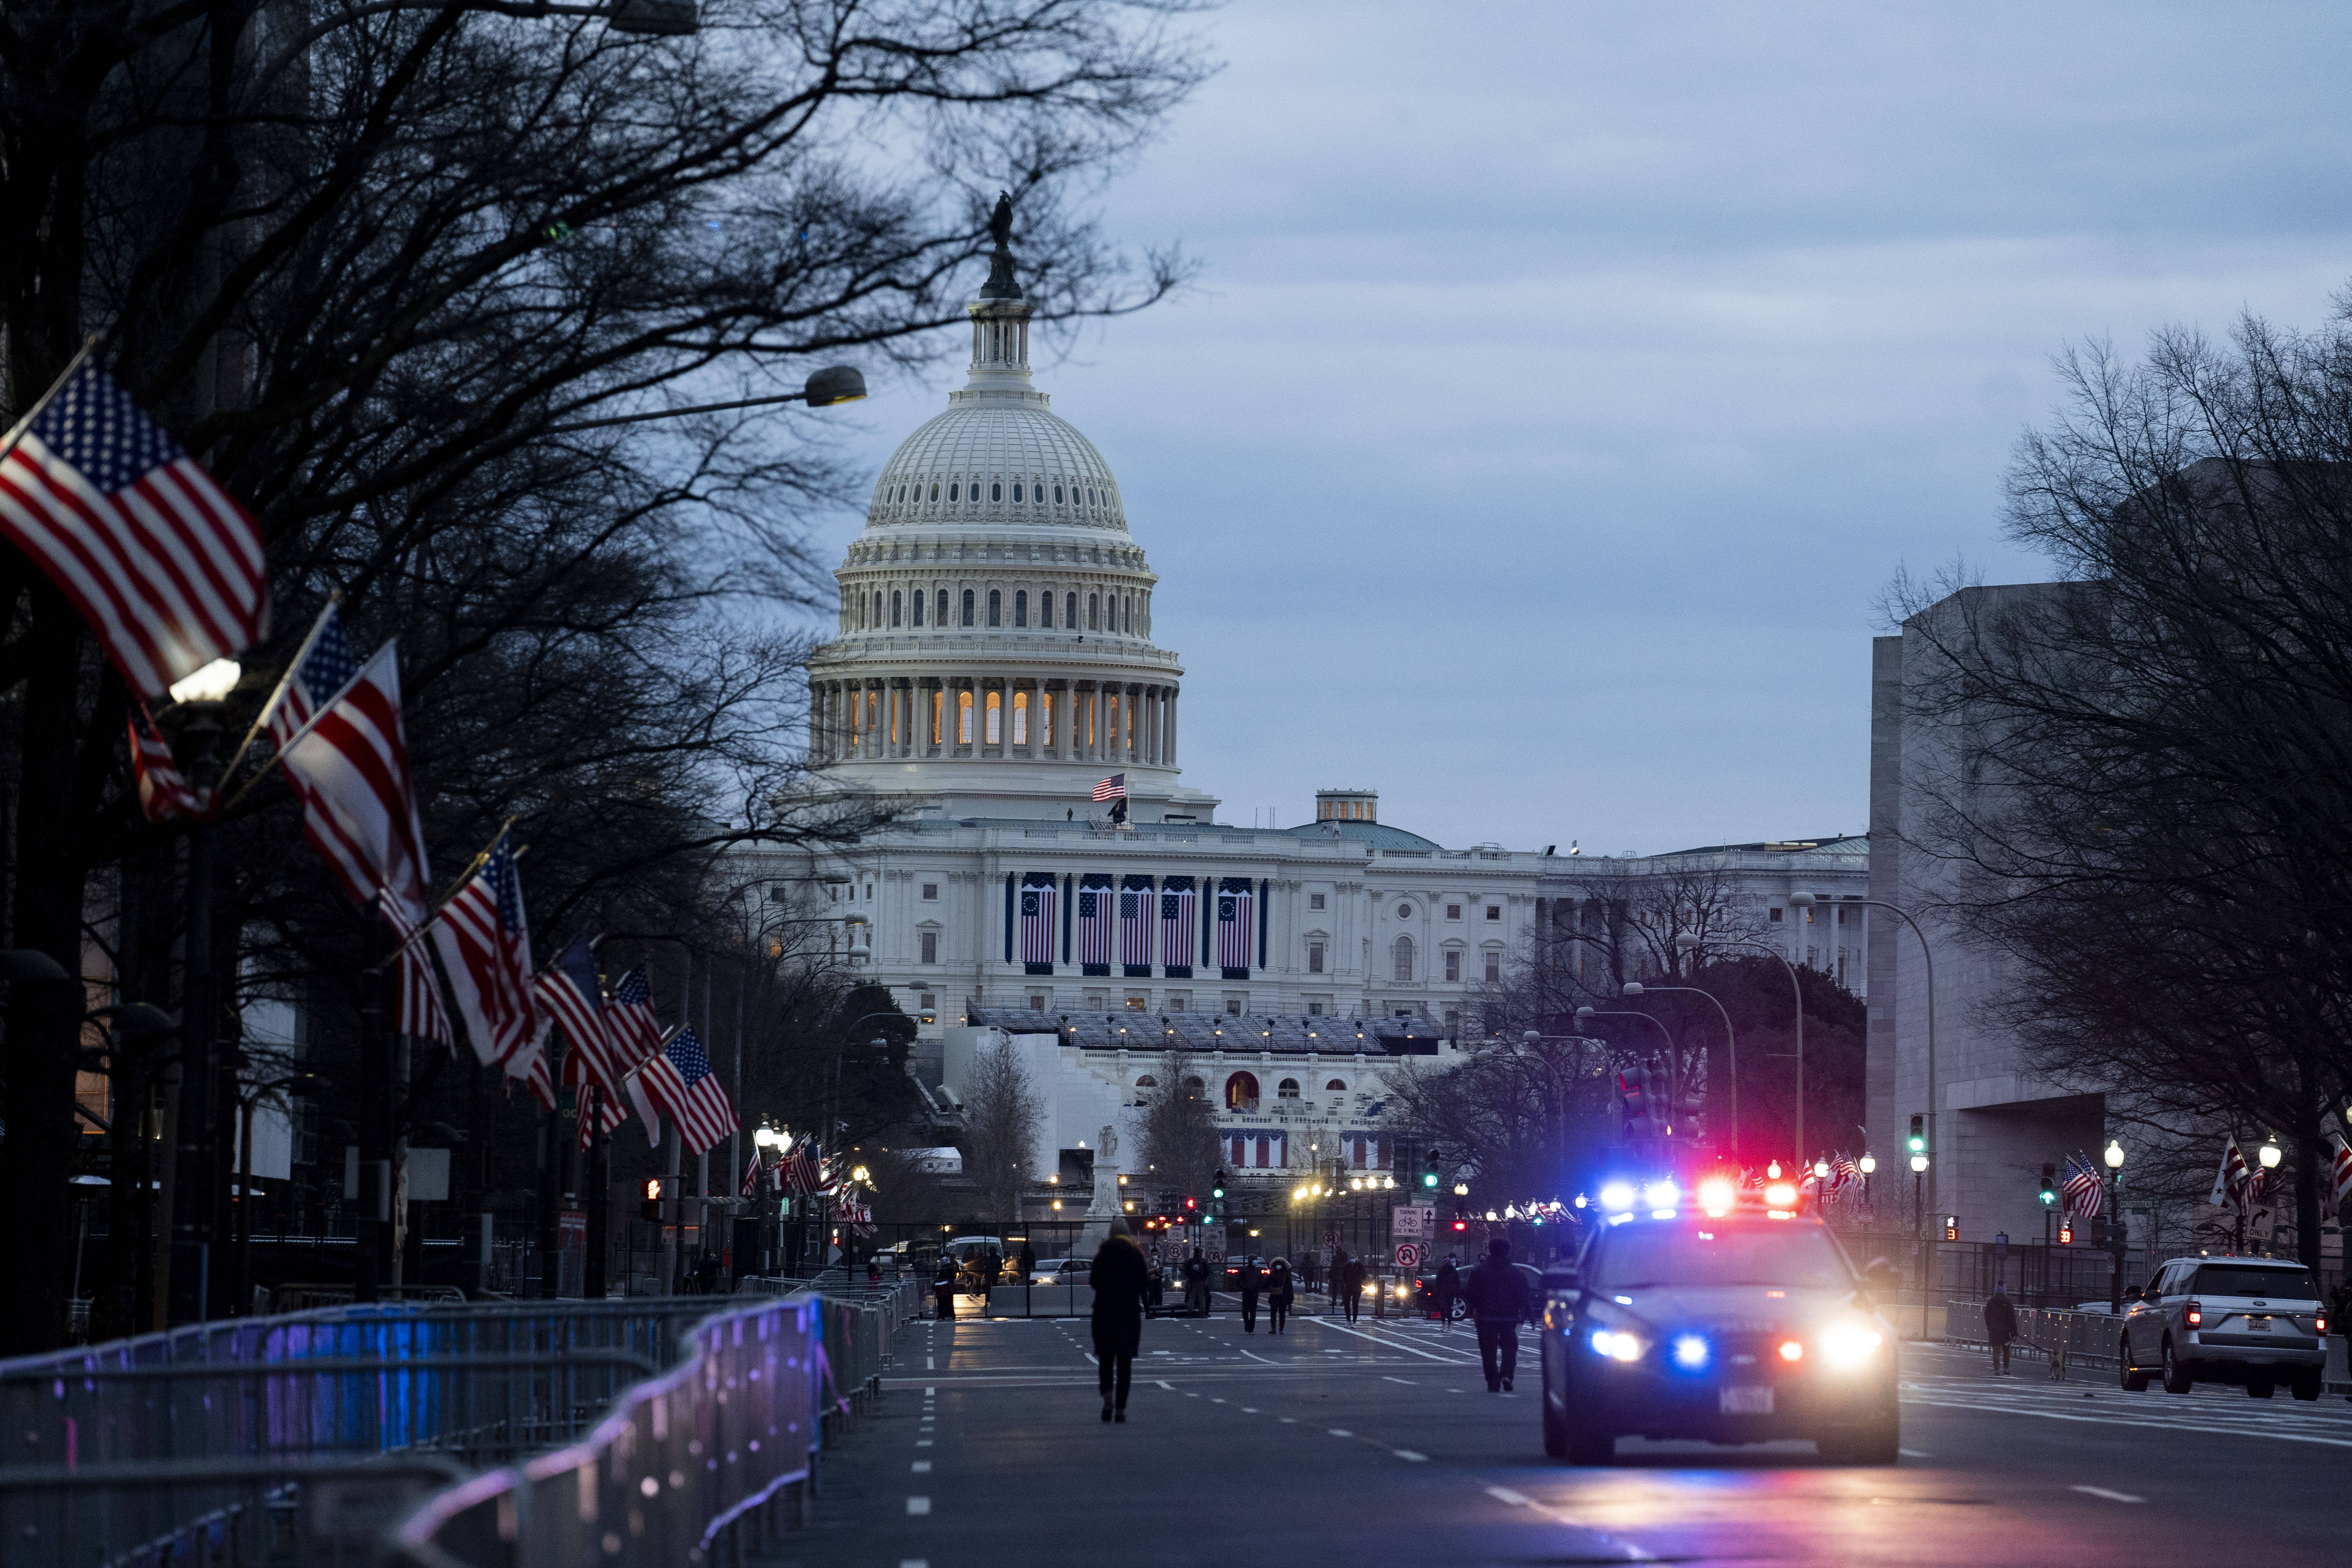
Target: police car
{"points": [[1719, 1317]]}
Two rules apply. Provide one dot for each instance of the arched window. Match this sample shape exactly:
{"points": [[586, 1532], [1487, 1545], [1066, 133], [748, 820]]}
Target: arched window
{"points": [[1020, 607], [1016, 492], [1126, 615], [896, 605], [1057, 495], [877, 607], [1094, 612], [858, 621], [963, 717], [1070, 611], [1403, 950], [996, 493], [995, 730], [917, 607], [995, 607], [967, 607], [1146, 1082], [1241, 1092], [1336, 1085], [941, 619], [1195, 1088], [1045, 609], [952, 492], [935, 492], [1090, 495], [1287, 1089]]}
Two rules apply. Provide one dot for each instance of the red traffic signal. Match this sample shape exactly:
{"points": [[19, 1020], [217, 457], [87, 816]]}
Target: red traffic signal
{"points": [[1191, 1204], [1461, 1224]]}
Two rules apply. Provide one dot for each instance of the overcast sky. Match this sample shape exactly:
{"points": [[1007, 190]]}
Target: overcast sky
{"points": [[1563, 381]]}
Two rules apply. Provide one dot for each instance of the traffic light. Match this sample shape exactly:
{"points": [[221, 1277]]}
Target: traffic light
{"points": [[651, 1207], [2102, 1232], [1634, 1103], [2066, 1234], [1191, 1210], [1460, 1225], [1951, 1227], [1918, 1141], [2048, 1192], [1217, 1187], [1429, 1171]]}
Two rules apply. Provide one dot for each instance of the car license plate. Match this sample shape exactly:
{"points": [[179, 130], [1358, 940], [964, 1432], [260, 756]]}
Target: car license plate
{"points": [[2259, 1325], [1747, 1401]]}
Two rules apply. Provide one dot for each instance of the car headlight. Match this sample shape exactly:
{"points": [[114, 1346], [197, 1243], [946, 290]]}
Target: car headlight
{"points": [[1850, 1345], [1690, 1352], [1616, 1344], [1617, 1197]]}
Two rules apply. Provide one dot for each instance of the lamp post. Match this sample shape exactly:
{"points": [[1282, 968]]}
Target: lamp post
{"points": [[1687, 942], [2116, 1241], [1806, 901], [2269, 1156], [1868, 1166], [1919, 1225], [1690, 942]]}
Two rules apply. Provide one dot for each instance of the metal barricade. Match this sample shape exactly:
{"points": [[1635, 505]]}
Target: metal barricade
{"points": [[2063, 1338], [300, 1433], [682, 1459]]}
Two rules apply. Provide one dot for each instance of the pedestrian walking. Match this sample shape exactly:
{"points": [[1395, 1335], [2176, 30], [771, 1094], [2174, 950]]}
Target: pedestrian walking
{"points": [[1196, 1284], [1348, 1278], [1448, 1291], [1498, 1298], [1252, 1282], [1119, 1279], [1277, 1297], [992, 1268], [1313, 1267], [2000, 1327], [943, 1289]]}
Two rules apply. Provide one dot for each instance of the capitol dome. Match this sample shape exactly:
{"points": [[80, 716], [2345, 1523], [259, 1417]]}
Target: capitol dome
{"points": [[994, 647]]}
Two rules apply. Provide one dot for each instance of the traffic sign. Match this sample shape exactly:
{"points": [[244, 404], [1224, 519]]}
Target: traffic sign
{"points": [[1408, 1256], [1415, 1220], [2000, 1244], [1330, 1236]]}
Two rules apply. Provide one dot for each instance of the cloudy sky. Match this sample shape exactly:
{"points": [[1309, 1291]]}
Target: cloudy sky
{"points": [[1563, 381]]}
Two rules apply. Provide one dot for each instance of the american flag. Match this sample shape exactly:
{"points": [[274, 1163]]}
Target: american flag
{"points": [[163, 563], [637, 1037], [2231, 1184], [681, 1082], [802, 1173], [590, 1095], [1177, 925], [750, 1182], [484, 946], [1111, 788], [2081, 1187], [2339, 1175], [1234, 911], [1094, 918], [164, 793], [1847, 1170], [349, 769], [416, 995], [1135, 922], [567, 992], [1037, 912]]}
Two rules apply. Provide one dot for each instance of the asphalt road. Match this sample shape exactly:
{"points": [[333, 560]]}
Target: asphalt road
{"points": [[1381, 1445]]}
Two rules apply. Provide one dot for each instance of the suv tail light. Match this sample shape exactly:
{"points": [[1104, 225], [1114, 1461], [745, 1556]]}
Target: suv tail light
{"points": [[2194, 1314], [2319, 1325]]}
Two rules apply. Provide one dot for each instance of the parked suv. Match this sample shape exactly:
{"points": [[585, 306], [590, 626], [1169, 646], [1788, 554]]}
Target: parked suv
{"points": [[2257, 1322]]}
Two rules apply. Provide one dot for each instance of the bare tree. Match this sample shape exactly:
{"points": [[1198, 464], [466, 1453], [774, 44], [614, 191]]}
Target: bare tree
{"points": [[1176, 1128], [1004, 1111]]}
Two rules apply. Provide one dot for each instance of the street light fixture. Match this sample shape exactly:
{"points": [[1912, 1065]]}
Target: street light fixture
{"points": [[2115, 1156], [2118, 1241], [213, 683], [2268, 1155]]}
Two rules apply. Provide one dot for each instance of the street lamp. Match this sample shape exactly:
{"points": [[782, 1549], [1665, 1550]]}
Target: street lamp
{"points": [[834, 384], [1804, 900], [2117, 1240], [1690, 941], [1686, 942], [1919, 1223]]}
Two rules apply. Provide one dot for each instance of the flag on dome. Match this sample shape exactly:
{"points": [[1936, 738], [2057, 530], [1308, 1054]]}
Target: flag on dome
{"points": [[1234, 919], [2082, 1187], [1037, 908], [1135, 922], [1178, 929], [164, 793], [1094, 918], [1111, 788], [680, 1083], [163, 563]]}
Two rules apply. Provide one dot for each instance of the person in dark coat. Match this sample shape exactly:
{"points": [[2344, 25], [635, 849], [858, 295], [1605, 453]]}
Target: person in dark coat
{"points": [[1278, 1296], [992, 1269], [2000, 1327], [943, 1289], [1196, 1284], [1498, 1298], [1119, 1278], [1313, 1265], [1252, 1282], [1348, 1278], [1448, 1291]]}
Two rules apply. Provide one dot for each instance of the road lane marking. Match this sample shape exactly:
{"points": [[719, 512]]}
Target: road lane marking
{"points": [[1341, 1431], [1216, 1401], [1915, 1453], [930, 1393], [921, 1466], [2103, 1492], [2121, 1421], [1408, 1453], [1290, 1420], [1165, 1383], [1406, 1381], [1395, 1345], [929, 1363], [922, 1442], [1254, 1356], [1504, 1494], [919, 1505]]}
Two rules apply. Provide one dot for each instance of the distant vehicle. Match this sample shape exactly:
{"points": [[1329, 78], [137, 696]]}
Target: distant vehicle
{"points": [[2254, 1322], [1062, 1271], [1736, 1326]]}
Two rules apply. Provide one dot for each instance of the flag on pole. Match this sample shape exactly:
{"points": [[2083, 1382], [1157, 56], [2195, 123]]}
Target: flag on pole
{"points": [[589, 1094], [416, 997], [2339, 1175], [750, 1182], [162, 562], [1177, 928], [1111, 788], [2232, 1187], [566, 991], [637, 1037], [350, 770], [680, 1083], [484, 945], [2082, 1187], [800, 1171], [164, 793], [1039, 897]]}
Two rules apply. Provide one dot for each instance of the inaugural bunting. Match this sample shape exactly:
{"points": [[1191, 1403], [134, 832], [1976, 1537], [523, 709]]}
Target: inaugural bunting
{"points": [[1135, 925], [1177, 925], [1235, 911], [1039, 897], [1095, 918]]}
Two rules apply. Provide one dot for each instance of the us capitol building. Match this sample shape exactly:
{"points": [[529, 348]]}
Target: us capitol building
{"points": [[994, 660]]}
